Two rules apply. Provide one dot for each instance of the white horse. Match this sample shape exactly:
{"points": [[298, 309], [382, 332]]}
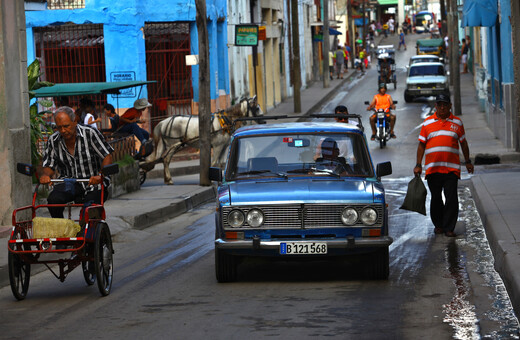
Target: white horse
{"points": [[176, 132]]}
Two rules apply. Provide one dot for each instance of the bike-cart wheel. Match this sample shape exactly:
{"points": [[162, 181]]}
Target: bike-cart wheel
{"points": [[103, 259], [395, 84], [88, 267], [88, 272], [142, 176], [19, 275]]}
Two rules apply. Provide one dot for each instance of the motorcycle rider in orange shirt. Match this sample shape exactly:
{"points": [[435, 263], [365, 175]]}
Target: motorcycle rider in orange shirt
{"points": [[384, 101]]}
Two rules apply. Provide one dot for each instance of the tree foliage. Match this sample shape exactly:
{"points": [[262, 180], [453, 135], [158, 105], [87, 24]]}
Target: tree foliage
{"points": [[38, 125]]}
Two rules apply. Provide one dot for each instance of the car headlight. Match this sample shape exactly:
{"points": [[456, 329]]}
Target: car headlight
{"points": [[255, 218], [236, 218], [349, 216], [369, 216]]}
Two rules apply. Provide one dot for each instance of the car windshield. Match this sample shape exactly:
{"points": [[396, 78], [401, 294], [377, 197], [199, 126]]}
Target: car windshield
{"points": [[299, 155], [430, 70]]}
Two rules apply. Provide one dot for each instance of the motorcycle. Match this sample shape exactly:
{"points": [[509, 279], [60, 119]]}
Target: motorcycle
{"points": [[382, 125]]}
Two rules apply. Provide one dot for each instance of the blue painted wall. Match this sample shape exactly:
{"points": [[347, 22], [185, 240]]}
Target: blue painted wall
{"points": [[123, 37]]}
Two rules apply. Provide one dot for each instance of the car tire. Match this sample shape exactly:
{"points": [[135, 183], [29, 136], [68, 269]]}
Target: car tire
{"points": [[407, 97], [226, 266], [378, 266]]}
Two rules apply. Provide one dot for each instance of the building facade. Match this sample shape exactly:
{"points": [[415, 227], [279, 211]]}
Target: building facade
{"points": [[116, 40]]}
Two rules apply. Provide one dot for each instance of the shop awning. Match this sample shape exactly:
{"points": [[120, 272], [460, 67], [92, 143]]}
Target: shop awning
{"points": [[387, 2], [80, 89], [476, 13], [332, 31]]}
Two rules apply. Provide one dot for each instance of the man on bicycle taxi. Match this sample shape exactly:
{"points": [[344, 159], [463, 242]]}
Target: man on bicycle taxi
{"points": [[382, 100], [76, 152]]}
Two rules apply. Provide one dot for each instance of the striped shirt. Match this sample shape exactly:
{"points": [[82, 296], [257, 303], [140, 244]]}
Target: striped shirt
{"points": [[90, 150], [442, 144]]}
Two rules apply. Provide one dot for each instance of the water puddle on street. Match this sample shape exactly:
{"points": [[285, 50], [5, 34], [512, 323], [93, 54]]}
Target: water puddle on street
{"points": [[473, 254]]}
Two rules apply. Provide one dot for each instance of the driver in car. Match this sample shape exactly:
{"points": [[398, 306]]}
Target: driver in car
{"points": [[382, 100], [74, 151], [330, 159]]}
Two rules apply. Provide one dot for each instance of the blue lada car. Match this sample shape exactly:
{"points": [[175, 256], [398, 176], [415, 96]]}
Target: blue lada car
{"points": [[301, 190]]}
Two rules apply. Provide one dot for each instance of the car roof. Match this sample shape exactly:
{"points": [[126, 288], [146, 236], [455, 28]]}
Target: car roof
{"points": [[296, 127], [427, 63], [424, 56]]}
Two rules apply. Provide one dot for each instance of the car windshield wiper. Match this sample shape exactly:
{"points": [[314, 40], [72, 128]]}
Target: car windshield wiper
{"points": [[258, 172], [299, 171]]}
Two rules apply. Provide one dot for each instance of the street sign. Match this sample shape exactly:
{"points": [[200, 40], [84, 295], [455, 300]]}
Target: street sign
{"points": [[246, 35]]}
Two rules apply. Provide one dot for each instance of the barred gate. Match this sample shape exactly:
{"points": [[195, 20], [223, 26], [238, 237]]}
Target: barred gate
{"points": [[167, 45]]}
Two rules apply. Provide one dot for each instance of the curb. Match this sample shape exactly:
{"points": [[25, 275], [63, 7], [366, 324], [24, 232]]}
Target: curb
{"points": [[505, 252], [175, 171], [175, 208]]}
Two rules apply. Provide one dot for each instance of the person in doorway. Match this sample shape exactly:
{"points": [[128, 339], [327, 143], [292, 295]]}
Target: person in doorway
{"points": [[74, 151], [88, 113], [464, 55], [439, 140], [382, 101], [129, 120], [331, 65]]}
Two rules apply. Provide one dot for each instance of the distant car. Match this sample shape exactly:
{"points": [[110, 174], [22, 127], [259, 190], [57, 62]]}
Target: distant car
{"points": [[425, 80], [424, 58], [281, 196]]}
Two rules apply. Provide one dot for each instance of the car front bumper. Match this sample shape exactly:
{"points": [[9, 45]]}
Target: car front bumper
{"points": [[425, 92], [346, 244]]}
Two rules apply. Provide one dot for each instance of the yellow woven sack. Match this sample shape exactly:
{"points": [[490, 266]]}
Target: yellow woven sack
{"points": [[46, 227]]}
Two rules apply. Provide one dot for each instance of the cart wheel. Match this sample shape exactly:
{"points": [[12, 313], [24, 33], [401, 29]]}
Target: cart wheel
{"points": [[88, 272], [19, 275], [395, 85], [142, 176], [103, 259]]}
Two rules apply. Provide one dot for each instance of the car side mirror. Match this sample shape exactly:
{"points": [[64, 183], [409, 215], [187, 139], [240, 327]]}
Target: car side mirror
{"points": [[110, 169], [25, 169], [215, 174], [384, 169]]}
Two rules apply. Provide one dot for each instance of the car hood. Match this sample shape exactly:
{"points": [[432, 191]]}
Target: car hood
{"points": [[426, 79], [303, 191]]}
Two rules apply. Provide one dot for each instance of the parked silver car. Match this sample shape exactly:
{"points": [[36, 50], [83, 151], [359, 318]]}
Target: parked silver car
{"points": [[425, 80]]}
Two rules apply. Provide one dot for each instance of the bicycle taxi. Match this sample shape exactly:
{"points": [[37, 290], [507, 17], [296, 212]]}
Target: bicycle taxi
{"points": [[386, 65], [68, 242]]}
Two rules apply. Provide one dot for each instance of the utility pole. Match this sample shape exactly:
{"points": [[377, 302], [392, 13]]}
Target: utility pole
{"points": [[515, 29], [351, 33], [326, 44], [297, 84], [454, 55], [204, 94]]}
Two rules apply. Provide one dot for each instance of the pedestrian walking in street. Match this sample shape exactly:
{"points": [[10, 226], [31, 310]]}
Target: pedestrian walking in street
{"points": [[331, 65], [439, 140], [401, 41], [340, 61]]}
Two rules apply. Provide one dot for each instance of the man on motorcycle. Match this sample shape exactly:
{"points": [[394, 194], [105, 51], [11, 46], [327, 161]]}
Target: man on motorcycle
{"points": [[384, 101]]}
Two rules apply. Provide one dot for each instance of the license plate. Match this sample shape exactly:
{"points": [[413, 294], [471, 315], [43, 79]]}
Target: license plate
{"points": [[296, 248], [425, 92]]}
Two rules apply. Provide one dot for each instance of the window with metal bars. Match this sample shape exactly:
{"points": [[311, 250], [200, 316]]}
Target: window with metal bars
{"points": [[72, 54], [167, 45], [65, 4]]}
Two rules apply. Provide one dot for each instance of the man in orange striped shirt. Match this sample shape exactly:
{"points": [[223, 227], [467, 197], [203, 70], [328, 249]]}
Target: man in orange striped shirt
{"points": [[439, 139]]}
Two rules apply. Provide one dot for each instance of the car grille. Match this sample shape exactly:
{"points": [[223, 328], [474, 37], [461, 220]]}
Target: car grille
{"points": [[430, 85], [304, 215]]}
